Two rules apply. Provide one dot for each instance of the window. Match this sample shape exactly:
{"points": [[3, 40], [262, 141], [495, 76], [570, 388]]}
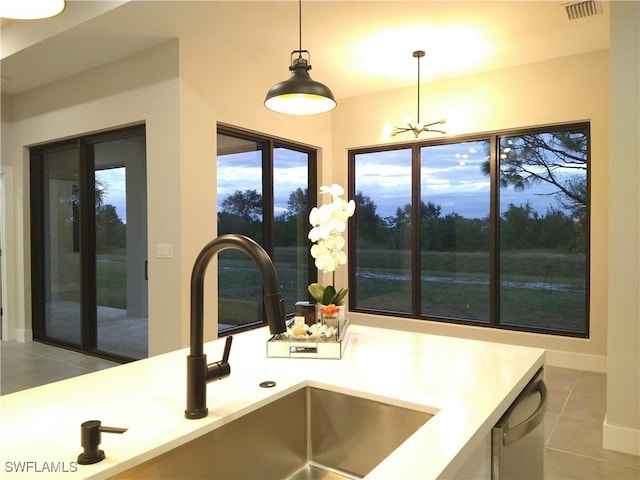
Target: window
{"points": [[543, 230], [489, 230], [263, 192], [454, 230], [89, 243]]}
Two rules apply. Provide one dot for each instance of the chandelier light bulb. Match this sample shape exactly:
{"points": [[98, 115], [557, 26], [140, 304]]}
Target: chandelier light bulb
{"points": [[387, 131]]}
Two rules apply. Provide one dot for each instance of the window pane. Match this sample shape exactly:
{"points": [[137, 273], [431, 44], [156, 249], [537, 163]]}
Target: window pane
{"points": [[290, 192], [239, 189], [543, 230], [62, 273], [121, 246], [454, 218], [383, 230]]}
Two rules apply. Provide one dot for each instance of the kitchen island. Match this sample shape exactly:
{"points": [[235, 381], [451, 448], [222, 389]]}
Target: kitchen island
{"points": [[467, 385]]}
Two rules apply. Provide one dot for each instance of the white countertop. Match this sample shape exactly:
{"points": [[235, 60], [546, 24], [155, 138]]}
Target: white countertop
{"points": [[467, 384]]}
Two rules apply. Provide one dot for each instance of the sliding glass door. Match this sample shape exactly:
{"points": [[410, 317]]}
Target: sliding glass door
{"points": [[60, 266], [89, 249]]}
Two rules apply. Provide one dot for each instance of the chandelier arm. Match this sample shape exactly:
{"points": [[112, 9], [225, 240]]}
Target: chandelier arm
{"points": [[433, 123]]}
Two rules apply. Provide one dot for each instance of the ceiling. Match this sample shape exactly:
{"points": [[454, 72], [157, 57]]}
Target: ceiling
{"points": [[357, 47]]}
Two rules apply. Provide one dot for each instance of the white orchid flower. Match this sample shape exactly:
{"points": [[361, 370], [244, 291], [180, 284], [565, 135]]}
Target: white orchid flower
{"points": [[335, 190], [329, 222]]}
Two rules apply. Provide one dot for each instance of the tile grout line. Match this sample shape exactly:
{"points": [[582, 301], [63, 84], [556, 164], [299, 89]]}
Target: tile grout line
{"points": [[576, 454], [573, 386], [57, 360], [64, 362], [597, 459], [560, 413]]}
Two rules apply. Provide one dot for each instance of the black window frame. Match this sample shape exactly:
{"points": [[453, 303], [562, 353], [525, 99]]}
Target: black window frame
{"points": [[84, 237], [269, 144], [494, 225]]}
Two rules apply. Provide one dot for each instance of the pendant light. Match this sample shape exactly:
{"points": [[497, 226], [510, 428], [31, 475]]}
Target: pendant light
{"points": [[418, 127], [30, 9], [300, 95]]}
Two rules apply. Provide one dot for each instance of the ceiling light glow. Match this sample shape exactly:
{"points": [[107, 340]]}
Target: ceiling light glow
{"points": [[30, 9]]}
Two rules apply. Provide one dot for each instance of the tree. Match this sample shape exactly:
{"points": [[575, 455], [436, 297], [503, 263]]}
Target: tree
{"points": [[366, 211], [547, 157], [246, 204], [110, 230], [292, 224], [429, 210], [298, 203], [516, 231]]}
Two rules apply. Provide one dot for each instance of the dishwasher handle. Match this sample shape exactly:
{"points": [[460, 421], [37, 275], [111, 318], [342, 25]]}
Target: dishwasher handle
{"points": [[523, 428]]}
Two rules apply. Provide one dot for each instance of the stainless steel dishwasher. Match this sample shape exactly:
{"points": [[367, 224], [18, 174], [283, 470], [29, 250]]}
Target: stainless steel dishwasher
{"points": [[517, 440]]}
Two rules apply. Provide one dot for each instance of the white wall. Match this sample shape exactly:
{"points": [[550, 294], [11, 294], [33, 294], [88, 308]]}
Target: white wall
{"points": [[180, 98], [622, 424], [140, 88], [564, 90], [210, 92]]}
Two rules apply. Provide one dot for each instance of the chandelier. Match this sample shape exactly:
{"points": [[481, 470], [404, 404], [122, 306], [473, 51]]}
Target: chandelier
{"points": [[416, 128]]}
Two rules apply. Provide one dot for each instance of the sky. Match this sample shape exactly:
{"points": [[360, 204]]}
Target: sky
{"points": [[451, 178], [243, 171], [113, 182]]}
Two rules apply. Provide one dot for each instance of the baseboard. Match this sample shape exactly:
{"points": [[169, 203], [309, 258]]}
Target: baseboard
{"points": [[577, 361], [22, 335], [620, 439]]}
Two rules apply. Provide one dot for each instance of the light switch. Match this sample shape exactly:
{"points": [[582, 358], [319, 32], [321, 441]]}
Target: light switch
{"points": [[164, 250]]}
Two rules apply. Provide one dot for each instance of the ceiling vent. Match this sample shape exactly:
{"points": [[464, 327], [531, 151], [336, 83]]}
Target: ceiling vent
{"points": [[587, 8]]}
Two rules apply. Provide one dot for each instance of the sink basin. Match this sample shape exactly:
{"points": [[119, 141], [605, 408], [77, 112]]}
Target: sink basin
{"points": [[311, 433]]}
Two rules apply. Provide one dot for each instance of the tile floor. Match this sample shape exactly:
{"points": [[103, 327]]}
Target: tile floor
{"points": [[573, 423], [573, 429], [27, 365]]}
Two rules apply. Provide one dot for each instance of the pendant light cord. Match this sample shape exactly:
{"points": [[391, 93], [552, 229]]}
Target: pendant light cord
{"points": [[299, 28]]}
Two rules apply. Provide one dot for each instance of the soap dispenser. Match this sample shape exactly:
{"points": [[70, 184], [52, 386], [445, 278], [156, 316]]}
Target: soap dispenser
{"points": [[90, 438]]}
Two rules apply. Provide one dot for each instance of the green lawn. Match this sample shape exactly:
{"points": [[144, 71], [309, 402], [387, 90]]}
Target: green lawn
{"points": [[539, 289]]}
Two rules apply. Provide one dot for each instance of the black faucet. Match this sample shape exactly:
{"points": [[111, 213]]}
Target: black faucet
{"points": [[198, 371]]}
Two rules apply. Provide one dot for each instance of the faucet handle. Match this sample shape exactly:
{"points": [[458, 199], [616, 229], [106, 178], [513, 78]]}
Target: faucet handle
{"points": [[220, 369], [227, 349]]}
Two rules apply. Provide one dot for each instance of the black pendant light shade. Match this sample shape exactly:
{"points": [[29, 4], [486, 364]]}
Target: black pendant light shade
{"points": [[299, 94]]}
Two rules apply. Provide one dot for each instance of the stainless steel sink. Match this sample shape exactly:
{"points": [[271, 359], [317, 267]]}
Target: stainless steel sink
{"points": [[311, 433]]}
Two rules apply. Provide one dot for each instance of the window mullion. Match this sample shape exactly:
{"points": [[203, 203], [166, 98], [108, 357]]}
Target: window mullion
{"points": [[494, 233], [267, 198], [89, 330], [416, 252]]}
